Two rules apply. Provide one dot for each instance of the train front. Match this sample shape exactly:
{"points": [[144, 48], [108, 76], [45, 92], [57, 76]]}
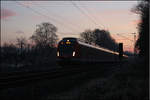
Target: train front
{"points": [[67, 50]]}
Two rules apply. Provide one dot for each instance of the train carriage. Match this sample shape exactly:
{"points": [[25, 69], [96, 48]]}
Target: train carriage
{"points": [[73, 50]]}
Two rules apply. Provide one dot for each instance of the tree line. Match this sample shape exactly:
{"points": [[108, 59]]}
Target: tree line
{"points": [[43, 43], [39, 50], [100, 38], [142, 44]]}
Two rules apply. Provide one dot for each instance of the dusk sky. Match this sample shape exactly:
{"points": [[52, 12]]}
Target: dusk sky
{"points": [[70, 17]]}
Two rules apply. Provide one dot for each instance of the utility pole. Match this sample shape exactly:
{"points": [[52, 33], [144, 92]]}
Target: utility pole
{"points": [[120, 50], [134, 42]]}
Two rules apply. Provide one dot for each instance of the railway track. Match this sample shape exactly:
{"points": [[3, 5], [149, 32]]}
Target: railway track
{"points": [[22, 78]]}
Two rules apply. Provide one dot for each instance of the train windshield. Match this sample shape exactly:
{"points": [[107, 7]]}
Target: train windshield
{"points": [[66, 47]]}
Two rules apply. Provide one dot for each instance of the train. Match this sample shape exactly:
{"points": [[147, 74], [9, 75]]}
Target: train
{"points": [[74, 50]]}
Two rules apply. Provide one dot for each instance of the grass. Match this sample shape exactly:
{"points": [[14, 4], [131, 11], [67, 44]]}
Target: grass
{"points": [[130, 83]]}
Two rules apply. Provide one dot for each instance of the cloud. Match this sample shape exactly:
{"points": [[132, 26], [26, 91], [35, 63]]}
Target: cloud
{"points": [[19, 32], [5, 13]]}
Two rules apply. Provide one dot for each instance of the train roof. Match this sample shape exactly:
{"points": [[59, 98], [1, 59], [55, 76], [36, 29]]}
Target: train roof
{"points": [[88, 45], [97, 47], [100, 48], [91, 46], [69, 38]]}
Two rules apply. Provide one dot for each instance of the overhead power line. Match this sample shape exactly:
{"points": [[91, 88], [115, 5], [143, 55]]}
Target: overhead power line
{"points": [[59, 16], [91, 15], [50, 18], [87, 16], [125, 37]]}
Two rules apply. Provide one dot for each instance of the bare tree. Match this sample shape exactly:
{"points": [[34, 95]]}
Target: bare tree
{"points": [[99, 37], [21, 43], [87, 36], [45, 35], [8, 52], [142, 44], [104, 39]]}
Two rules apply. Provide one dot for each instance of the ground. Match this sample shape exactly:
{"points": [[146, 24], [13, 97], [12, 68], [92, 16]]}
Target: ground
{"points": [[130, 82]]}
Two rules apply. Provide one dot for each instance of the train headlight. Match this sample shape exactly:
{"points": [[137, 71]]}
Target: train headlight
{"points": [[73, 54], [57, 53]]}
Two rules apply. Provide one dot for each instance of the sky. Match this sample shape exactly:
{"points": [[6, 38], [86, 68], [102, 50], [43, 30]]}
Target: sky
{"points": [[19, 18]]}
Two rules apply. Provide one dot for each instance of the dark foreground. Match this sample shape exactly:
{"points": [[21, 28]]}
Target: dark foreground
{"points": [[127, 82]]}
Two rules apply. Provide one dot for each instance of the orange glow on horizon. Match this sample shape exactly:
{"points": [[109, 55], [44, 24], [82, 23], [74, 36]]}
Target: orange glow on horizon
{"points": [[128, 45]]}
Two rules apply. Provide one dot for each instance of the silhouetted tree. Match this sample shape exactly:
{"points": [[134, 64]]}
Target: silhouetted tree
{"points": [[22, 48], [21, 43], [45, 35], [87, 36], [8, 52], [142, 43], [99, 37], [103, 39]]}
